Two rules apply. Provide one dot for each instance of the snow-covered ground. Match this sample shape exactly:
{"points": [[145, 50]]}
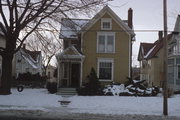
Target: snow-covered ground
{"points": [[40, 99]]}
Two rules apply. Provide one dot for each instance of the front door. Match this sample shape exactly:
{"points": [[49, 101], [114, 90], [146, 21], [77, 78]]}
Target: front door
{"points": [[75, 75]]}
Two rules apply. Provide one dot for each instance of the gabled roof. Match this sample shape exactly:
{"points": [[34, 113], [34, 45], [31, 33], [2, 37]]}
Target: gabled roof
{"points": [[33, 54], [177, 25], [118, 20], [70, 52], [149, 50], [30, 57], [71, 27]]}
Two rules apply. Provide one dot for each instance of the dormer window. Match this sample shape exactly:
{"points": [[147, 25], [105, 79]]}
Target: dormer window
{"points": [[106, 23]]}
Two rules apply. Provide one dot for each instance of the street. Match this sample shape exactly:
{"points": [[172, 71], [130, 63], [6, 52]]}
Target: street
{"points": [[41, 115]]}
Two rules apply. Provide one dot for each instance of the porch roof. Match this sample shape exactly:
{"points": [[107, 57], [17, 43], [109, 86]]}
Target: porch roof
{"points": [[70, 53]]}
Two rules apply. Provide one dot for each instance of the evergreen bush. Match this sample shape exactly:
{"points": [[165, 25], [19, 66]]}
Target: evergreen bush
{"points": [[93, 87]]}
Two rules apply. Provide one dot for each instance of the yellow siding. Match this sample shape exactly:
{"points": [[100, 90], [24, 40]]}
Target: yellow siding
{"points": [[157, 73], [121, 55], [154, 69]]}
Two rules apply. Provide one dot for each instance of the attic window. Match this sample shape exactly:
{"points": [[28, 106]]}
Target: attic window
{"points": [[106, 23]]}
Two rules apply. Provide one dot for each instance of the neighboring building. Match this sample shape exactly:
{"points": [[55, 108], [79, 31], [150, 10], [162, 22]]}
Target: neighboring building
{"points": [[27, 61], [151, 61], [2, 44], [50, 73], [174, 58], [103, 43], [136, 73]]}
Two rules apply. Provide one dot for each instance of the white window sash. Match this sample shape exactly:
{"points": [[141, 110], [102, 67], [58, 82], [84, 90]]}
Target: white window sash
{"points": [[106, 20], [108, 60], [106, 34]]}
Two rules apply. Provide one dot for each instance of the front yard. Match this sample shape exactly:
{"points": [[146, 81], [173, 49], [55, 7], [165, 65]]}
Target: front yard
{"points": [[40, 99]]}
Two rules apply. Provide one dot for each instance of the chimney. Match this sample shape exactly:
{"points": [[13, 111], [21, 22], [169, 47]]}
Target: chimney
{"points": [[130, 18], [24, 46], [160, 35]]}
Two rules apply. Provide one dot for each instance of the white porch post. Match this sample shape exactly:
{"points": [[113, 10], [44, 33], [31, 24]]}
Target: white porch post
{"points": [[81, 72], [58, 80]]}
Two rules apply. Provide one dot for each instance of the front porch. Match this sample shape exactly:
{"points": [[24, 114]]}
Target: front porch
{"points": [[70, 64], [69, 74]]}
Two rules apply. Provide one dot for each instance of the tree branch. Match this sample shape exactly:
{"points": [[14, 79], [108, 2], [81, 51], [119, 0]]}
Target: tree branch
{"points": [[3, 16]]}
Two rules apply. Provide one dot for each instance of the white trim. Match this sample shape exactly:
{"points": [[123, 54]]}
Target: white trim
{"points": [[76, 55], [109, 20], [174, 70], [105, 34], [81, 72], [82, 41], [58, 80], [106, 60]]}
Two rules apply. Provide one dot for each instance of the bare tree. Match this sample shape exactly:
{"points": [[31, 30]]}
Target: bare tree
{"points": [[48, 43], [20, 18]]}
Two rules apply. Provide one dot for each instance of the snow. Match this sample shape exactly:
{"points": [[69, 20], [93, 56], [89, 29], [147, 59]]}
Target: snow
{"points": [[70, 28], [29, 99], [40, 99], [30, 62], [149, 52]]}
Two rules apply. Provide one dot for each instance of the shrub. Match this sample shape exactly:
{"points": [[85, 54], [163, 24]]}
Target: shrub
{"points": [[93, 86], [51, 87], [125, 94]]}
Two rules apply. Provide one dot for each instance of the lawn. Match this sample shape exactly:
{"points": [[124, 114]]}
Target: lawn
{"points": [[40, 99]]}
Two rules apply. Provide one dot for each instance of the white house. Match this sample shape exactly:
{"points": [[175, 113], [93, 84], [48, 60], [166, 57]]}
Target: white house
{"points": [[50, 73], [27, 61], [174, 58]]}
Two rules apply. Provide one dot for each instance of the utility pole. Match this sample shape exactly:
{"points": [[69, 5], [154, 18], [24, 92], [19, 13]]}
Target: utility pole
{"points": [[165, 90]]}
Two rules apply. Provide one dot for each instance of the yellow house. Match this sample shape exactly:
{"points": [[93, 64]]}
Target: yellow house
{"points": [[103, 43]]}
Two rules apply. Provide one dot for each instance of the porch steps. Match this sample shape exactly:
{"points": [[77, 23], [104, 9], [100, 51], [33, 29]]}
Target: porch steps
{"points": [[66, 92]]}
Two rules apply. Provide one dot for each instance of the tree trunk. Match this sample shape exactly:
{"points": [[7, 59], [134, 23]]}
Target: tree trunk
{"points": [[5, 83]]}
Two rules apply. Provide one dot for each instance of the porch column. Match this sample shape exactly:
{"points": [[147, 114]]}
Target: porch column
{"points": [[59, 70], [81, 73]]}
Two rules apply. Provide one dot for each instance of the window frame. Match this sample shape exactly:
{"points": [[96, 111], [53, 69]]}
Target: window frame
{"points": [[106, 20], [105, 60], [178, 65], [106, 34]]}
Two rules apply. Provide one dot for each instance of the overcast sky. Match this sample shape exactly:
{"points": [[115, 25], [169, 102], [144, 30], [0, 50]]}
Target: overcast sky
{"points": [[147, 15]]}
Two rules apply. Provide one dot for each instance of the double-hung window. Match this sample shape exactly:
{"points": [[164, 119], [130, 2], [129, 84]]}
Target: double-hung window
{"points": [[106, 24], [106, 42], [105, 69]]}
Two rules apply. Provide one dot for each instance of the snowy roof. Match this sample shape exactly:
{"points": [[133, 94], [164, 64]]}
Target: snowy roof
{"points": [[31, 57], [71, 27], [149, 50], [33, 54], [71, 53]]}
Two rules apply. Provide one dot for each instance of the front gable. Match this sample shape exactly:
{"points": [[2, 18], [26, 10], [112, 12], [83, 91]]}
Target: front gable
{"points": [[106, 12]]}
